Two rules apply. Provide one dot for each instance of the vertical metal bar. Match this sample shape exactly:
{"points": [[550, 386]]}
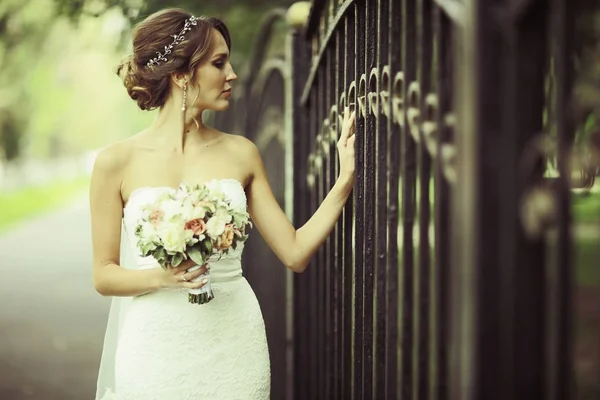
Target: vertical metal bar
{"points": [[300, 63], [328, 265], [563, 28], [408, 173], [522, 258], [394, 28], [339, 258], [344, 231], [369, 61], [381, 181], [476, 301], [335, 253], [320, 283], [359, 192], [444, 87], [313, 272], [465, 240], [424, 162], [349, 233]]}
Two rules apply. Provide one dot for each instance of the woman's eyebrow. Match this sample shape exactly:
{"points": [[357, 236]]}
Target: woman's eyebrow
{"points": [[221, 55]]}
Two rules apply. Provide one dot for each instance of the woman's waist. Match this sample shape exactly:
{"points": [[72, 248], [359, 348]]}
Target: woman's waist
{"points": [[164, 303], [223, 270]]}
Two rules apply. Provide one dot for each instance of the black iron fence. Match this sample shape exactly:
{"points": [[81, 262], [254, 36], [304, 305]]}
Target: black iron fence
{"points": [[451, 272]]}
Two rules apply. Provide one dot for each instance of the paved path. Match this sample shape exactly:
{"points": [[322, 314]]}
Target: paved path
{"points": [[51, 320]]}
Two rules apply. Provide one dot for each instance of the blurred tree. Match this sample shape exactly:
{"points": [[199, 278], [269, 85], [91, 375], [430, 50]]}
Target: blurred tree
{"points": [[586, 104], [49, 68], [22, 28], [242, 16]]}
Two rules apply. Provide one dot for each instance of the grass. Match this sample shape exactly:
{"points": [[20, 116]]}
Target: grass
{"points": [[28, 202], [586, 208], [586, 212], [587, 266]]}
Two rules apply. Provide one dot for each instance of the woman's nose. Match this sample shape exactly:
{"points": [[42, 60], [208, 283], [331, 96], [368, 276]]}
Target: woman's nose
{"points": [[232, 75]]}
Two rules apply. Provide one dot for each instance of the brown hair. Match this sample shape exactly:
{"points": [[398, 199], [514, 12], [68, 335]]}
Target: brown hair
{"points": [[149, 86]]}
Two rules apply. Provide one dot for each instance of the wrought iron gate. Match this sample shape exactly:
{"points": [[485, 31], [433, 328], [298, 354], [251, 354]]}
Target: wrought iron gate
{"points": [[450, 273]]}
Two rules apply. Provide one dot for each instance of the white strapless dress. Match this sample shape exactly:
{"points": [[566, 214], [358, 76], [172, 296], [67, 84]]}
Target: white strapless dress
{"points": [[169, 349]]}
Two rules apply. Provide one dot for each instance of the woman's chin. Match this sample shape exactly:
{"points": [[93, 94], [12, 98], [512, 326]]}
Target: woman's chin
{"points": [[221, 105]]}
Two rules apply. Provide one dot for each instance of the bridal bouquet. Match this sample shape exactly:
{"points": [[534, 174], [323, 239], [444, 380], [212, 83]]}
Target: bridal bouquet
{"points": [[196, 222]]}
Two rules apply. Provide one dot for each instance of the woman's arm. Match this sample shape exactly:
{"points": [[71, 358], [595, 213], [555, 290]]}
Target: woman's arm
{"points": [[294, 247], [106, 207]]}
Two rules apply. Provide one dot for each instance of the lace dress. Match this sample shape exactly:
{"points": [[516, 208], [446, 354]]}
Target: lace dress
{"points": [[168, 349]]}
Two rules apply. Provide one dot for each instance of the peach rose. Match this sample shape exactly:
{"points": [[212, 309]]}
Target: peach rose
{"points": [[198, 226], [226, 239], [156, 216]]}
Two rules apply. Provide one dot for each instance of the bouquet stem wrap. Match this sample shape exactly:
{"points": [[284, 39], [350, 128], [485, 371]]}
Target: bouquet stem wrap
{"points": [[205, 293]]}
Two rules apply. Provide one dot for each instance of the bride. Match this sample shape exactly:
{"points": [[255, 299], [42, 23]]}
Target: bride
{"points": [[157, 345]]}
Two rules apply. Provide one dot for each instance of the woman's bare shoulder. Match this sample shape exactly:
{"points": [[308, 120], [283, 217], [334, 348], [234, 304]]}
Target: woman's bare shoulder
{"points": [[115, 157], [241, 146]]}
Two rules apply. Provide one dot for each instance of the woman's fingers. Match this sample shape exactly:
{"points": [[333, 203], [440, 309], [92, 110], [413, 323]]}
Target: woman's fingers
{"points": [[194, 274], [184, 266], [347, 127], [345, 130], [195, 285]]}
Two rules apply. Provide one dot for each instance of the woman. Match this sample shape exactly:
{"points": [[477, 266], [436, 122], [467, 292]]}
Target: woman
{"points": [[158, 346]]}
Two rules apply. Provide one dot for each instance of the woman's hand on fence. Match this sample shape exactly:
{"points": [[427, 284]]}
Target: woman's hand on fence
{"points": [[345, 146]]}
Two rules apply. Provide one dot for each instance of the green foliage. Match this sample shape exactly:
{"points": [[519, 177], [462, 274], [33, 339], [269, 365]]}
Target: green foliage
{"points": [[60, 94], [21, 29], [586, 208], [26, 203], [196, 255], [587, 82], [587, 254], [242, 17]]}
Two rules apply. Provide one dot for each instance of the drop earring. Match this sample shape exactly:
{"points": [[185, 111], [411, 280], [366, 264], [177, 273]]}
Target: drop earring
{"points": [[184, 96]]}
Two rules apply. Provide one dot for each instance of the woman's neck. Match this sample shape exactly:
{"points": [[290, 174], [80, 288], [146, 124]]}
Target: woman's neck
{"points": [[170, 127]]}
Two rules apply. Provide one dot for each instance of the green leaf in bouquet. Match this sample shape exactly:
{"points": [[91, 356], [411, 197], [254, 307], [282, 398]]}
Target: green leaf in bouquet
{"points": [[177, 259], [164, 263], [208, 246], [196, 255], [146, 249]]}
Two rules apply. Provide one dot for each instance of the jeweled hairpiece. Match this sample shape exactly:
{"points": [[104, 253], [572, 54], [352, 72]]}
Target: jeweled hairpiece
{"points": [[162, 57]]}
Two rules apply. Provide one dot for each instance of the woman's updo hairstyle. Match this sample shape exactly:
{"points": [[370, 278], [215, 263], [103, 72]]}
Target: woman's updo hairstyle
{"points": [[149, 85]]}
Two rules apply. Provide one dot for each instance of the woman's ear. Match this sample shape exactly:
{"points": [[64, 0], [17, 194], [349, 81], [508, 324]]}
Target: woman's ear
{"points": [[179, 79]]}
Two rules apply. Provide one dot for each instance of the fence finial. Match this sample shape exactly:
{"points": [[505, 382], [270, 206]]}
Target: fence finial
{"points": [[297, 14]]}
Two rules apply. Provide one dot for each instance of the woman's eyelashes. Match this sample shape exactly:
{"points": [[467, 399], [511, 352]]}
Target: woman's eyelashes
{"points": [[219, 64]]}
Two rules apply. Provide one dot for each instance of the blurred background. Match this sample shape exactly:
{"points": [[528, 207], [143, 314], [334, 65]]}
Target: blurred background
{"points": [[60, 97], [60, 101]]}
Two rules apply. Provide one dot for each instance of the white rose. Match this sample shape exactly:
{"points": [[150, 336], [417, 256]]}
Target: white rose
{"points": [[171, 208], [174, 238], [198, 212], [148, 233], [187, 209], [215, 226], [146, 237], [223, 214], [217, 190]]}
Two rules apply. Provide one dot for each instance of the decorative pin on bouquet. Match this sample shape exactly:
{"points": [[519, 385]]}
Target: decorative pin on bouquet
{"points": [[196, 222]]}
